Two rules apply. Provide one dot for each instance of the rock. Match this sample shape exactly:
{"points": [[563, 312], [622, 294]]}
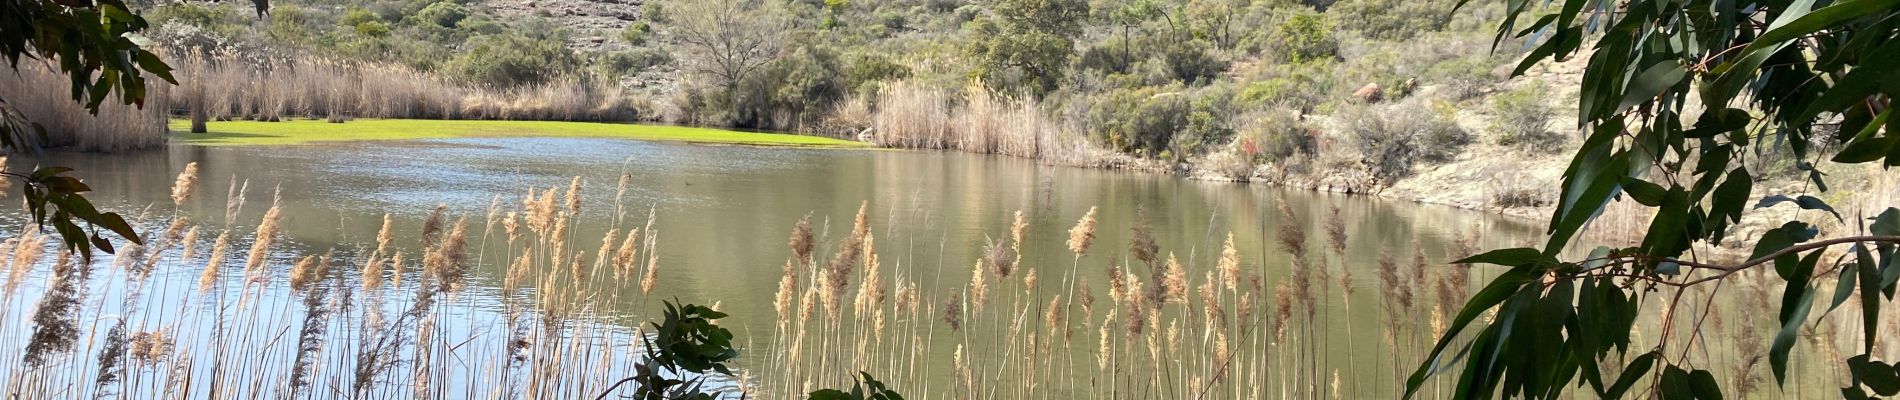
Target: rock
{"points": [[1370, 93], [596, 39]]}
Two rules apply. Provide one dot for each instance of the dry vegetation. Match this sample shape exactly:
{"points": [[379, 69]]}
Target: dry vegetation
{"points": [[37, 92], [223, 86]]}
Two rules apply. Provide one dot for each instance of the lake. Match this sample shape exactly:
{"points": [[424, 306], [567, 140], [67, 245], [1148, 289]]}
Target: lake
{"points": [[721, 218]]}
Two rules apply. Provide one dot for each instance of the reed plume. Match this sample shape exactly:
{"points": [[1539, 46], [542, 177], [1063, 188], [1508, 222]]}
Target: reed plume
{"points": [[432, 226], [979, 288], [652, 276], [56, 318], [627, 258], [871, 292], [1229, 264], [1141, 242], [191, 244], [838, 270], [384, 236], [186, 182], [1136, 308], [996, 256], [1018, 227], [801, 240], [28, 249], [215, 264], [953, 311], [574, 196], [782, 300], [518, 271], [255, 269], [149, 347], [110, 365], [234, 200], [303, 273], [448, 263], [1083, 234], [396, 267]]}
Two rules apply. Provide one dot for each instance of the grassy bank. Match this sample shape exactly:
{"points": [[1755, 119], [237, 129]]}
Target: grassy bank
{"points": [[317, 131]]}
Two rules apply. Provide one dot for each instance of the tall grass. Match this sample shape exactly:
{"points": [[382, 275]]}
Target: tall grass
{"points": [[41, 95], [916, 115], [222, 85]]}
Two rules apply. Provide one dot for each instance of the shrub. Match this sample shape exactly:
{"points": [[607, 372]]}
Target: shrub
{"points": [[444, 14], [866, 70], [1139, 119], [791, 92], [1519, 118], [1392, 19], [372, 29], [1302, 87], [636, 34], [1191, 62], [1462, 78], [1162, 121], [633, 61], [1276, 135], [1306, 36], [510, 60], [1393, 138], [1207, 123]]}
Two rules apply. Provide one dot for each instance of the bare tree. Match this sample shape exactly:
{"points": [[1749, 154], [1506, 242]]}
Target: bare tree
{"points": [[726, 40]]}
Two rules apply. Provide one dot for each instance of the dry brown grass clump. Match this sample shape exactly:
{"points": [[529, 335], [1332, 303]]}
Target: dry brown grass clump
{"points": [[40, 95]]}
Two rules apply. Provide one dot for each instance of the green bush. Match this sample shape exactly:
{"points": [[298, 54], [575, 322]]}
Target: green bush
{"points": [[358, 16], [510, 60], [791, 92], [633, 61], [1162, 121], [444, 14], [1306, 37], [1302, 87], [373, 29], [1141, 119], [1191, 62], [1520, 119], [1277, 135], [1392, 19], [1392, 138], [636, 34]]}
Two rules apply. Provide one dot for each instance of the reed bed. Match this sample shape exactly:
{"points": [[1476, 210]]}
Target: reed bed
{"points": [[513, 302], [41, 94], [915, 115], [260, 316], [223, 85]]}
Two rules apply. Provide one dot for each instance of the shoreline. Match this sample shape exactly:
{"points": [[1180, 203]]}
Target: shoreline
{"points": [[314, 131]]}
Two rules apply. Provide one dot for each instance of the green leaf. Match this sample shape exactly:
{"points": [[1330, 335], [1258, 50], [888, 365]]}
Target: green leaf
{"points": [[1702, 383], [1797, 301], [1865, 147], [1887, 223], [1792, 24], [1651, 82], [1869, 275], [1645, 193], [1508, 257], [1805, 202], [1635, 371], [1500, 289], [830, 394]]}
